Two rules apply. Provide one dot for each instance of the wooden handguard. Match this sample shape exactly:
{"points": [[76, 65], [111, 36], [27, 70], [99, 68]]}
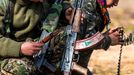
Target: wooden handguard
{"points": [[50, 36], [77, 20]]}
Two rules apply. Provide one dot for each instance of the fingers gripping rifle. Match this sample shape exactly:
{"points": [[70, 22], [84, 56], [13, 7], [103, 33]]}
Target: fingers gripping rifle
{"points": [[49, 32], [71, 37]]}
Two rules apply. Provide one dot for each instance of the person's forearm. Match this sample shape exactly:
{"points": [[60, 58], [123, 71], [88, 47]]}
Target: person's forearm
{"points": [[105, 44], [9, 48]]}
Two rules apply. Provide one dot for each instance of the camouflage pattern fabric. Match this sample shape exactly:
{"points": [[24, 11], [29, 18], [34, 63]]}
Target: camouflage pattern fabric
{"points": [[17, 67], [104, 12], [94, 22], [51, 21], [57, 45]]}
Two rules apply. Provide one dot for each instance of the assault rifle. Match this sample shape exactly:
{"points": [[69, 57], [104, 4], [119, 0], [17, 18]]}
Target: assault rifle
{"points": [[72, 30], [40, 58], [49, 26]]}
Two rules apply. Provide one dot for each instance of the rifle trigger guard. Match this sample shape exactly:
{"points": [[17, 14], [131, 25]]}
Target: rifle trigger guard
{"points": [[76, 57]]}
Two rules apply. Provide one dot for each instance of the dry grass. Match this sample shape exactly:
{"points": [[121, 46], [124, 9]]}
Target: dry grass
{"points": [[105, 62]]}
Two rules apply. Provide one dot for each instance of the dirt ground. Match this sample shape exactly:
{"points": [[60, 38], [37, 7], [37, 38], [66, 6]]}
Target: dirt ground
{"points": [[105, 62]]}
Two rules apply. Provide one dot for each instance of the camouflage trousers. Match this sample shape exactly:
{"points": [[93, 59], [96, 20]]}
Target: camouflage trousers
{"points": [[14, 66]]}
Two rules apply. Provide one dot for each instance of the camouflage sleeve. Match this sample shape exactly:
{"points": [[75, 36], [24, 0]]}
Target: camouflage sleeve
{"points": [[8, 47], [94, 23], [105, 44]]}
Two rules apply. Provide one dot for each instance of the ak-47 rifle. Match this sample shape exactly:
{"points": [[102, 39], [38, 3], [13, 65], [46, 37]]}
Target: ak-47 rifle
{"points": [[49, 32], [72, 30]]}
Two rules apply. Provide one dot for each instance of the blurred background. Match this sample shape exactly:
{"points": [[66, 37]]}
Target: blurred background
{"points": [[105, 62]]}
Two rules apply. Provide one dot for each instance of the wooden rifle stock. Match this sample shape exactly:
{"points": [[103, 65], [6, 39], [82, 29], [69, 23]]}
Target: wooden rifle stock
{"points": [[77, 20], [76, 16], [50, 36]]}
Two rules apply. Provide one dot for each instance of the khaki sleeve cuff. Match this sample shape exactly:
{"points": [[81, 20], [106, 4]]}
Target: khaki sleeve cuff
{"points": [[14, 50], [9, 48]]}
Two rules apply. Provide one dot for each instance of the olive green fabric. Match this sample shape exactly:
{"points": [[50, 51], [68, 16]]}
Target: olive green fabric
{"points": [[26, 16], [52, 19]]}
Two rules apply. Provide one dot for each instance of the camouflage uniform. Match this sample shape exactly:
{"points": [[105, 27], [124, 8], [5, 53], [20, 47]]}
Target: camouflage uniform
{"points": [[93, 23], [26, 26], [17, 67]]}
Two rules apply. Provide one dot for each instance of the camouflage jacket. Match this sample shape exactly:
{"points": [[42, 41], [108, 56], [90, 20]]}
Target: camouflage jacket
{"points": [[25, 25], [27, 18], [94, 22]]}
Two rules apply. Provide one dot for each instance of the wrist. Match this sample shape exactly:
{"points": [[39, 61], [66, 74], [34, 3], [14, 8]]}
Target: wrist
{"points": [[21, 54], [106, 42]]}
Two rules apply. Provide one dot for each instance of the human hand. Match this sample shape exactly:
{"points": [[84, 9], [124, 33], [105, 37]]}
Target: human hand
{"points": [[114, 35], [114, 29], [30, 48], [69, 14]]}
